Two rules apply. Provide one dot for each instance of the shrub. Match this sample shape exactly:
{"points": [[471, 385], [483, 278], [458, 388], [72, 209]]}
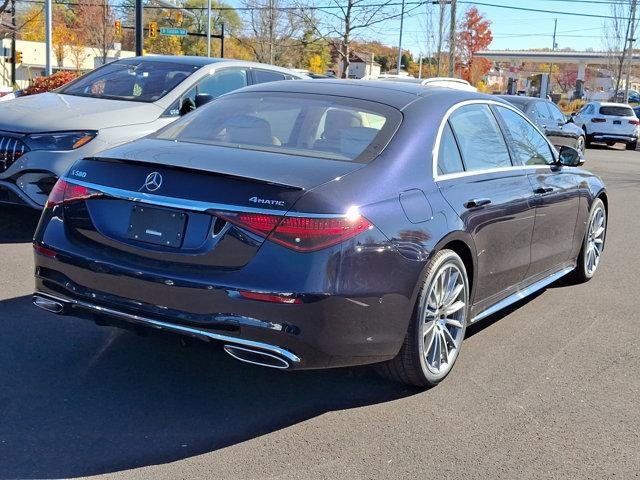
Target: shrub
{"points": [[46, 84], [563, 105], [576, 105]]}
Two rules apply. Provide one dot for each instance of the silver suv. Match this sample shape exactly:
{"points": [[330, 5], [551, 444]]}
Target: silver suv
{"points": [[41, 136]]}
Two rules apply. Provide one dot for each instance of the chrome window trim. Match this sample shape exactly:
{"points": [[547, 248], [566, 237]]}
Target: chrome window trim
{"points": [[488, 102], [193, 205]]}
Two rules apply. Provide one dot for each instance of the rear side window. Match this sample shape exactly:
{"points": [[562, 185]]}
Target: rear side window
{"points": [[616, 111], [320, 126], [556, 114], [480, 140], [528, 144], [449, 159], [264, 76], [223, 81]]}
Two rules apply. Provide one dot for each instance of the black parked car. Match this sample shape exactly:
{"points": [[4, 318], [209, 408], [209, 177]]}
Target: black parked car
{"points": [[323, 224], [546, 115]]}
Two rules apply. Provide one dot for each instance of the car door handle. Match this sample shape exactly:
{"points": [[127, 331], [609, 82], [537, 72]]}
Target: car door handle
{"points": [[543, 190], [476, 202]]}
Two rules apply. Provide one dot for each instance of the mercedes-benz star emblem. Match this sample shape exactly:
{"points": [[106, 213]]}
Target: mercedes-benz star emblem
{"points": [[152, 183]]}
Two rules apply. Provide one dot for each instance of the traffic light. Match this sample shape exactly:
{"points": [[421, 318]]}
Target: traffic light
{"points": [[18, 57], [118, 27], [153, 29]]}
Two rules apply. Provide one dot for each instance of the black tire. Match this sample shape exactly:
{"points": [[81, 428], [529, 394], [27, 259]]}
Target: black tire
{"points": [[410, 365], [582, 273], [587, 138], [632, 145]]}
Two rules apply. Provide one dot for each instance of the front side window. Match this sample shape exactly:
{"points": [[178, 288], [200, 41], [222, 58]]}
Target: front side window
{"points": [[135, 80], [449, 159], [530, 147], [480, 140], [556, 114], [223, 81], [320, 126]]}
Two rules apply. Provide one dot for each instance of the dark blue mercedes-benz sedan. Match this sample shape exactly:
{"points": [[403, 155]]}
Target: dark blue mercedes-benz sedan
{"points": [[323, 224]]}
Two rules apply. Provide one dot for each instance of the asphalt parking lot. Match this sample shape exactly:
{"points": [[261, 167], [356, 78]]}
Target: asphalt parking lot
{"points": [[548, 389]]}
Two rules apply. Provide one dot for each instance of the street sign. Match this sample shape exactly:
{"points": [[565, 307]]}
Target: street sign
{"points": [[177, 32]]}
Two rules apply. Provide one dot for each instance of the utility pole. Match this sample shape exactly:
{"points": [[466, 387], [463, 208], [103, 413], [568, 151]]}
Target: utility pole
{"points": [[452, 39], [440, 35], [48, 27], [553, 49], [271, 33], [400, 39], [208, 28], [631, 39], [13, 43], [139, 28], [420, 67]]}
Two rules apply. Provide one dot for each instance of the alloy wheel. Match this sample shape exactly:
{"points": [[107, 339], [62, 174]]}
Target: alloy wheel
{"points": [[444, 319], [595, 240]]}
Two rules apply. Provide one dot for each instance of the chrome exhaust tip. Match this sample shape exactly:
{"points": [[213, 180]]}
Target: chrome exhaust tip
{"points": [[48, 304], [256, 357]]}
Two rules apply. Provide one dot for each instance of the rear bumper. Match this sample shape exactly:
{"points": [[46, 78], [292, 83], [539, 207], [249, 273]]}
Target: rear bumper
{"points": [[324, 331], [80, 308], [613, 137]]}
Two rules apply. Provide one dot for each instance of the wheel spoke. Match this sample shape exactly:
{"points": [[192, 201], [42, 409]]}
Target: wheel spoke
{"points": [[453, 322], [428, 326], [453, 308], [454, 293], [436, 351], [447, 333], [599, 231], [445, 348]]}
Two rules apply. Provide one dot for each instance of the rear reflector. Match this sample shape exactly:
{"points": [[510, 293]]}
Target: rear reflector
{"points": [[47, 252], [598, 120], [64, 192], [634, 122], [269, 297], [303, 234]]}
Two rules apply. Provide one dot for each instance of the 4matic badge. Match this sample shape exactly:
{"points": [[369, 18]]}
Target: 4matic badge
{"points": [[265, 201]]}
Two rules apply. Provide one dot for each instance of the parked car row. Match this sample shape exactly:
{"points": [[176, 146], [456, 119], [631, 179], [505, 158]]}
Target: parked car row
{"points": [[42, 135], [301, 224]]}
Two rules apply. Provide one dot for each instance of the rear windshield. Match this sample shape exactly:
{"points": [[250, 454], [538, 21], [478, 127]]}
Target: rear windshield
{"points": [[322, 126], [139, 80], [617, 111]]}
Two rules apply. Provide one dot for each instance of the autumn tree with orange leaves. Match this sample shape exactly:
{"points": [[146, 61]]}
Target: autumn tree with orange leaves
{"points": [[474, 35]]}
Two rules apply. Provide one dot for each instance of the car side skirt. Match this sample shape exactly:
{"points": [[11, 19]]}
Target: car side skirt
{"points": [[522, 293]]}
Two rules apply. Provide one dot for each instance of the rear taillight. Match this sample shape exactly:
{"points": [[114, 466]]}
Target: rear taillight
{"points": [[47, 252], [634, 122], [64, 192], [598, 120], [303, 234]]}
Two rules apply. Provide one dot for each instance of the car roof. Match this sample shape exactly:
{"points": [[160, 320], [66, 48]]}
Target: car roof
{"points": [[612, 104], [395, 94], [521, 99], [204, 61]]}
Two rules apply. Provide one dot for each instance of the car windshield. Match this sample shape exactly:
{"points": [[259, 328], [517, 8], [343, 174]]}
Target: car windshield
{"points": [[616, 111], [139, 80], [309, 125]]}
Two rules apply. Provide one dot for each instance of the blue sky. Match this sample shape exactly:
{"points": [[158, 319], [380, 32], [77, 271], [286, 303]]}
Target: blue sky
{"points": [[514, 29]]}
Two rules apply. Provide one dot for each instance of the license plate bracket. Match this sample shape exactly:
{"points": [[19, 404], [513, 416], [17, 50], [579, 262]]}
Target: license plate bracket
{"points": [[157, 226]]}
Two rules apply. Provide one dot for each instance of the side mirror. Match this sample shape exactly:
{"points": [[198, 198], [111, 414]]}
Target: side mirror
{"points": [[203, 98], [570, 157]]}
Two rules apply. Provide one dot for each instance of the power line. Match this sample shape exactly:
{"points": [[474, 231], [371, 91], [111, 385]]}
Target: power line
{"points": [[540, 10]]}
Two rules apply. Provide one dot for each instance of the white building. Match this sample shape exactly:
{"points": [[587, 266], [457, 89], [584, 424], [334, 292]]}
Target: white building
{"points": [[34, 58]]}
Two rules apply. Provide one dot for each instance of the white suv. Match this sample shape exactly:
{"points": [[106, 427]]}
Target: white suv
{"points": [[608, 123]]}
